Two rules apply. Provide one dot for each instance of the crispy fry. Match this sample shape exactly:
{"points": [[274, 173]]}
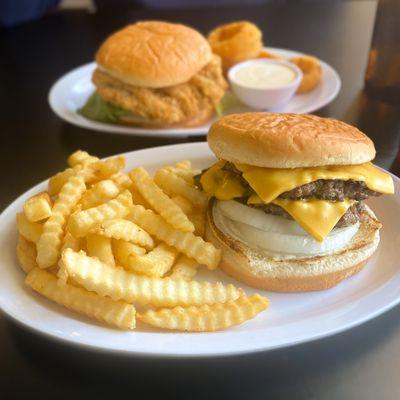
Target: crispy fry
{"points": [[185, 268], [57, 181], [124, 250], [184, 164], [82, 222], [199, 221], [26, 254], [100, 247], [31, 231], [38, 207], [184, 173], [159, 201], [115, 313], [122, 285], [137, 198], [49, 244], [122, 180], [99, 193], [71, 242], [81, 157], [103, 169], [184, 204], [126, 230], [155, 263], [173, 185], [206, 318], [187, 243], [92, 172]]}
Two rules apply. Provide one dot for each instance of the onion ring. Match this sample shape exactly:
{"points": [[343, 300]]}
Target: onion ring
{"points": [[311, 68]]}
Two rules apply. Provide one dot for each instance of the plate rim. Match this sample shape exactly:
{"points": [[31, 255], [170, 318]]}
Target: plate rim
{"points": [[167, 132], [176, 354]]}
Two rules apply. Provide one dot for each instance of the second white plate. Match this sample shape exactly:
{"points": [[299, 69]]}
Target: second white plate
{"points": [[291, 318], [72, 90]]}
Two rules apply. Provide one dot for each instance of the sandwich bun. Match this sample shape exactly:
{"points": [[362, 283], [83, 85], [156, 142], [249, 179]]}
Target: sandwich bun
{"points": [[255, 268], [154, 54], [275, 140]]}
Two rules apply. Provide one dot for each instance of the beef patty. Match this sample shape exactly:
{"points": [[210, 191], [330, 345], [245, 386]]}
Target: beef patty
{"points": [[324, 189]]}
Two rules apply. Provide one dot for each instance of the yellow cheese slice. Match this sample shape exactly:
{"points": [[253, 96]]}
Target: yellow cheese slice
{"points": [[317, 217], [222, 184], [269, 183]]}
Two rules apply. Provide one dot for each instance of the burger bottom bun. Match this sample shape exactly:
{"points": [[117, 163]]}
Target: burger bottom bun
{"points": [[199, 119], [256, 269]]}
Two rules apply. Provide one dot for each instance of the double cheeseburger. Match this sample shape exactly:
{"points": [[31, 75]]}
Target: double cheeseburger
{"points": [[287, 206], [156, 74]]}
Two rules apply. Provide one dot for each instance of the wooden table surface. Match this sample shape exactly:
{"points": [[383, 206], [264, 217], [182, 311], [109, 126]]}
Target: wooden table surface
{"points": [[359, 364]]}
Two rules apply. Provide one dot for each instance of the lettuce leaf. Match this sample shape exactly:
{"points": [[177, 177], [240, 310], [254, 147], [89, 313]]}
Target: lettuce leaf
{"points": [[99, 110], [227, 104]]}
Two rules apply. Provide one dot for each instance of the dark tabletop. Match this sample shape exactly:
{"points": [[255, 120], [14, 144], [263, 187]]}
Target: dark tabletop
{"points": [[363, 363]]}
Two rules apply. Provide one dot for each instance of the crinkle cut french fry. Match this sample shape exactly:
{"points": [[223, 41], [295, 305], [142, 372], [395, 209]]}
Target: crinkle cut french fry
{"points": [[119, 228], [57, 181], [115, 313], [38, 207], [71, 242], [184, 164], [122, 285], [187, 243], [81, 157], [82, 222], [122, 180], [92, 172], [123, 250], [185, 268], [99, 193], [156, 263], [103, 169], [26, 254], [206, 318], [174, 185], [159, 201], [49, 244], [184, 204], [31, 231], [100, 247]]}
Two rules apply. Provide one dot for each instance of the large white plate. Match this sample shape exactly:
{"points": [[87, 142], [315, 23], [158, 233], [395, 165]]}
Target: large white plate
{"points": [[72, 90], [290, 319]]}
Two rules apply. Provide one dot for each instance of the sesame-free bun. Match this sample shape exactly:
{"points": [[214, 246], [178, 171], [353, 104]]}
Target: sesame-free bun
{"points": [[252, 267], [154, 54], [275, 140]]}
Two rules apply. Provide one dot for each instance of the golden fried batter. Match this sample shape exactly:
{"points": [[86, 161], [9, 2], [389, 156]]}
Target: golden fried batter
{"points": [[170, 105]]}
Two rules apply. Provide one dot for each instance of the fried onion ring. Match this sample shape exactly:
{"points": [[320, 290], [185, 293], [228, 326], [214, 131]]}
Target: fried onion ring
{"points": [[268, 54], [236, 42], [311, 68]]}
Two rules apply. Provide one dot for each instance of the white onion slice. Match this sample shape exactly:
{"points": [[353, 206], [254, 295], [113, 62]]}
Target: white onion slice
{"points": [[276, 235]]}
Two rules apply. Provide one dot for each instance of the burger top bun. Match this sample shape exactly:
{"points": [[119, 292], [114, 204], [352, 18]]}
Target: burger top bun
{"points": [[154, 54], [275, 140]]}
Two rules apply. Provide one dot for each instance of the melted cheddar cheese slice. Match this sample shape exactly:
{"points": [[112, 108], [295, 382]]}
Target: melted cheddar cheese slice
{"points": [[269, 183], [317, 217], [222, 184]]}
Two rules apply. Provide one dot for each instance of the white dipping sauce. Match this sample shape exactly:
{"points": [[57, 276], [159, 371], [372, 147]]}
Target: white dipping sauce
{"points": [[264, 76]]}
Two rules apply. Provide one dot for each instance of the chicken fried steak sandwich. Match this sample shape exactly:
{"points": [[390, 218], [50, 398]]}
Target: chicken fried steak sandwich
{"points": [[156, 74], [287, 206]]}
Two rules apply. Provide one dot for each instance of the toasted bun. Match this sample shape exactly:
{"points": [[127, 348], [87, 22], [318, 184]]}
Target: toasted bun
{"points": [[154, 54], [276, 140], [254, 268]]}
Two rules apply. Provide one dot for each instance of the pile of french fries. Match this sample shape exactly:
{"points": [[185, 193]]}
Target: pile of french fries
{"points": [[101, 241]]}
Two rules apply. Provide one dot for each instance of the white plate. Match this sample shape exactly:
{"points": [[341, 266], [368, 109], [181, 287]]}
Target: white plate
{"points": [[290, 319], [72, 90]]}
